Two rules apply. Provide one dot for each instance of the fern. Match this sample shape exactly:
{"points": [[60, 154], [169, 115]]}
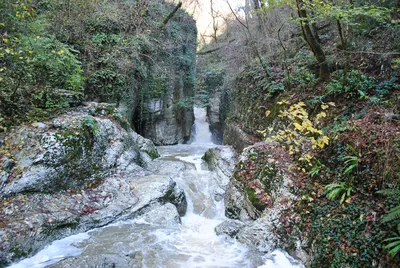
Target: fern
{"points": [[336, 189], [351, 161], [393, 246], [394, 213]]}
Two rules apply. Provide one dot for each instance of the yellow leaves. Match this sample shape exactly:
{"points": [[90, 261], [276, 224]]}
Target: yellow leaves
{"points": [[300, 131], [298, 126], [62, 51], [2, 24], [320, 115], [5, 40], [306, 158], [38, 37], [325, 106], [324, 139]]}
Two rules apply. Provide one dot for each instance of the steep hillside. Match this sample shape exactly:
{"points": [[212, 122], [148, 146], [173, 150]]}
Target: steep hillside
{"points": [[319, 84], [57, 54]]}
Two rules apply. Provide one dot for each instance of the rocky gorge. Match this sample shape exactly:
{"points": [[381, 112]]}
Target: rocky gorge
{"points": [[83, 171]]}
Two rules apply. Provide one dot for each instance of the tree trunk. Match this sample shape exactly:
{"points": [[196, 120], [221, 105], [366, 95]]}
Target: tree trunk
{"points": [[165, 21], [312, 42], [343, 40]]}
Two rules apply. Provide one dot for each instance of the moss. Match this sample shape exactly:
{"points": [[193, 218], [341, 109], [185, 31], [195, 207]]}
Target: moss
{"points": [[169, 196], [78, 161], [251, 195], [274, 109], [19, 253], [153, 153], [207, 157]]}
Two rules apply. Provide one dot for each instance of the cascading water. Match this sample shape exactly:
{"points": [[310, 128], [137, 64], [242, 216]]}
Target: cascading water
{"points": [[202, 134], [139, 243]]}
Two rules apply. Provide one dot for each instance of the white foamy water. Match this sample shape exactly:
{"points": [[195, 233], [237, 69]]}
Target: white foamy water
{"points": [[56, 251], [193, 243], [202, 134]]}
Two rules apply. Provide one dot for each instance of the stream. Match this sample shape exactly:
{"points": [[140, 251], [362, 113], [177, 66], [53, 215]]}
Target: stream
{"points": [[142, 243]]}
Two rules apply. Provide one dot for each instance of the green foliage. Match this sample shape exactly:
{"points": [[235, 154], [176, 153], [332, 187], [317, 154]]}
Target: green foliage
{"points": [[37, 69], [346, 235], [394, 245], [356, 85], [90, 124], [336, 189], [394, 213], [184, 103], [351, 161]]}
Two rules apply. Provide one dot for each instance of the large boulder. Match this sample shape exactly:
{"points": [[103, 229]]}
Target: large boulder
{"points": [[260, 190], [221, 160], [76, 172]]}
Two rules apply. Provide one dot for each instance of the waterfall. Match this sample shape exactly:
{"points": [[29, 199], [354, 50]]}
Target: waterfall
{"points": [[202, 134]]}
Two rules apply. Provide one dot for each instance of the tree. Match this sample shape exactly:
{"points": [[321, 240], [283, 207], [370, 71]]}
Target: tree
{"points": [[312, 41]]}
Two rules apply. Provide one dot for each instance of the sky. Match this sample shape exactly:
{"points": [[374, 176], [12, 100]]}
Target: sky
{"points": [[202, 13]]}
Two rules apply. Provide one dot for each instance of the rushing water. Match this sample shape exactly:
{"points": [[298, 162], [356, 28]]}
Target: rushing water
{"points": [[193, 243]]}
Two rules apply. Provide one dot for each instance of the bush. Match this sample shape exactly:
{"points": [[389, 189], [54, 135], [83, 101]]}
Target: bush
{"points": [[356, 84]]}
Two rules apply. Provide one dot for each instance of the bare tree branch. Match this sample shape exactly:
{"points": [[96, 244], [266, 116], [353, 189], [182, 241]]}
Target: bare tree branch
{"points": [[166, 19]]}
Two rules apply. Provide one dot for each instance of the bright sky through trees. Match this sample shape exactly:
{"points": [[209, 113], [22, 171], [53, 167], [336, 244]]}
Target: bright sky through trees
{"points": [[201, 10]]}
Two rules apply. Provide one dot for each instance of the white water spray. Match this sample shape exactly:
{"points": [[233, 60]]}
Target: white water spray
{"points": [[202, 134]]}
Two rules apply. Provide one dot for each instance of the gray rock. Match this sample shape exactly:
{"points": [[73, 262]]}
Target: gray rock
{"points": [[81, 172], [164, 215], [222, 160], [145, 145], [261, 227], [214, 116], [40, 125], [229, 228], [259, 235], [77, 149], [236, 137], [237, 204]]}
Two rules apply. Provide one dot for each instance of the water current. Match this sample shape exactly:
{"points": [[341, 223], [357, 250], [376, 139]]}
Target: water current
{"points": [[193, 243]]}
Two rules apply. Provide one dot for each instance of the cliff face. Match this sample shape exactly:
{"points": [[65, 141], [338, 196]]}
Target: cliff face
{"points": [[164, 111]]}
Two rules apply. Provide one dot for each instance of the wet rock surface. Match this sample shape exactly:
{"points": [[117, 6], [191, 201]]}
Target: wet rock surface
{"points": [[229, 228], [221, 160], [260, 189], [79, 171]]}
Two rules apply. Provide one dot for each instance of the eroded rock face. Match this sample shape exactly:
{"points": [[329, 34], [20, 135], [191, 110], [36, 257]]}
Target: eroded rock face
{"points": [[214, 116], [236, 137], [258, 192], [79, 171], [222, 160]]}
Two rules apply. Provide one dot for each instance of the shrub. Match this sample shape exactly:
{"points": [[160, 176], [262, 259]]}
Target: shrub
{"points": [[356, 84]]}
